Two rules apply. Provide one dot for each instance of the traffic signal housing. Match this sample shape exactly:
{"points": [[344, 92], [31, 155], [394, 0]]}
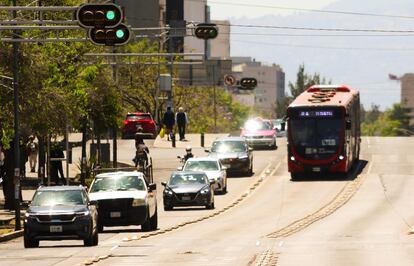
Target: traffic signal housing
{"points": [[206, 31], [119, 35], [99, 15], [247, 83]]}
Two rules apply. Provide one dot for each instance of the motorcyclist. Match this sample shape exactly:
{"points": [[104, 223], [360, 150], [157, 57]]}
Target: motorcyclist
{"points": [[188, 153], [141, 149]]}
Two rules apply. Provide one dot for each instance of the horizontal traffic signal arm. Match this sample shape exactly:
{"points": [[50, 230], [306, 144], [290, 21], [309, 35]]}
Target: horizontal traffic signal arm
{"points": [[206, 31], [247, 83], [119, 35], [99, 15]]}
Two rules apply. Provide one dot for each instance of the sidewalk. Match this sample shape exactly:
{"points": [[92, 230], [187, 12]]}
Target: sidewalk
{"points": [[192, 140]]}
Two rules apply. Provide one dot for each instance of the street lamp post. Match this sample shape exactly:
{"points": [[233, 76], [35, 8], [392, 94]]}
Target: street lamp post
{"points": [[16, 129]]}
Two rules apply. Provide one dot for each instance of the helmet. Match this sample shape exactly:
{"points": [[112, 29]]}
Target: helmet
{"points": [[188, 149]]}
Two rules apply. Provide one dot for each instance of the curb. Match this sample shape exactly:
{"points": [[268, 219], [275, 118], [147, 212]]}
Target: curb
{"points": [[10, 236]]}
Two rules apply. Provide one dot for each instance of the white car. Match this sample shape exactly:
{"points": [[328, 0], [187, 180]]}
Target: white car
{"points": [[125, 198], [213, 169]]}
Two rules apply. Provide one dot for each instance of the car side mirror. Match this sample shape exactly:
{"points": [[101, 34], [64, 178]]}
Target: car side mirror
{"points": [[212, 182], [224, 167], [180, 168], [93, 202], [348, 124], [164, 183], [152, 187]]}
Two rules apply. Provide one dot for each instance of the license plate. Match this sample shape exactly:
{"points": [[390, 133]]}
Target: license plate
{"points": [[138, 126], [55, 228], [316, 169], [186, 198], [115, 214]]}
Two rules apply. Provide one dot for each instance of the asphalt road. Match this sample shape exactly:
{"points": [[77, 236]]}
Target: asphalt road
{"points": [[370, 227]]}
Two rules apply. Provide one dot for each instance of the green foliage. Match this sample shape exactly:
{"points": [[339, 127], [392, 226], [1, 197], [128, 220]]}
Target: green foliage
{"points": [[392, 122], [304, 81]]}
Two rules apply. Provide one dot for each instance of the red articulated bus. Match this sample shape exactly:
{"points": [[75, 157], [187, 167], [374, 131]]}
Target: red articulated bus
{"points": [[323, 130]]}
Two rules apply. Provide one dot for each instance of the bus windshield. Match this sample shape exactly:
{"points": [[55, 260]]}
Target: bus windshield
{"points": [[316, 138]]}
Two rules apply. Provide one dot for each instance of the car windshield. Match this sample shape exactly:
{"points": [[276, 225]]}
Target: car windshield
{"points": [[201, 166], [138, 117], [254, 125], [114, 183], [58, 197], [187, 179], [228, 146]]}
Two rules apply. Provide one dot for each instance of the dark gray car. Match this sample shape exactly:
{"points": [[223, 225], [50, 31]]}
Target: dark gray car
{"points": [[234, 153], [58, 213], [188, 188]]}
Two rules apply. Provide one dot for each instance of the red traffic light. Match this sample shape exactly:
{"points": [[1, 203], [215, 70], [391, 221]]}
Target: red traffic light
{"points": [[99, 15], [248, 83], [206, 31], [119, 35]]}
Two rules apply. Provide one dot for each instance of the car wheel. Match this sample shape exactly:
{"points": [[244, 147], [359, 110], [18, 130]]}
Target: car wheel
{"points": [[295, 176], [100, 227], [210, 206], [30, 243], [146, 226], [92, 240], [154, 220]]}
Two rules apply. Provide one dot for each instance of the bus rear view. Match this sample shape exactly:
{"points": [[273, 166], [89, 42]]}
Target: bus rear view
{"points": [[323, 130]]}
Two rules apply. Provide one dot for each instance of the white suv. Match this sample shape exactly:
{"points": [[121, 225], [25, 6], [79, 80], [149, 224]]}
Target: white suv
{"points": [[125, 198]]}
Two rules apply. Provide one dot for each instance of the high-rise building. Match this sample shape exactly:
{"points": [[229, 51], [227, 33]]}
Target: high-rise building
{"points": [[270, 83], [407, 92]]}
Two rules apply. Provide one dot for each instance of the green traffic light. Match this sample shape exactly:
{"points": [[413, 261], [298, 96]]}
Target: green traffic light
{"points": [[120, 34], [110, 15]]}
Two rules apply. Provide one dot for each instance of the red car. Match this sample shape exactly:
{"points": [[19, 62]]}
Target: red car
{"points": [[135, 120], [259, 132]]}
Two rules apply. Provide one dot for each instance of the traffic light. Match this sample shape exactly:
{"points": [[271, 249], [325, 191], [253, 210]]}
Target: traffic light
{"points": [[206, 31], [247, 83], [119, 35], [99, 15]]}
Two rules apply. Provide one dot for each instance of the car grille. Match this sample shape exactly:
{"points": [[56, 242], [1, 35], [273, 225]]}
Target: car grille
{"points": [[58, 217], [115, 204], [191, 195]]}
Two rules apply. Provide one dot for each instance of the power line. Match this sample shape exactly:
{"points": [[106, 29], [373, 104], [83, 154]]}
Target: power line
{"points": [[327, 47], [315, 29], [317, 35], [312, 10]]}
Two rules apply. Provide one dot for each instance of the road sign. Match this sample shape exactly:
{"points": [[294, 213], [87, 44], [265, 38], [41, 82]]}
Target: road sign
{"points": [[229, 80]]}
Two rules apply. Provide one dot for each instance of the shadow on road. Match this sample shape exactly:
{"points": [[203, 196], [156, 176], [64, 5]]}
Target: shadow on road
{"points": [[351, 175]]}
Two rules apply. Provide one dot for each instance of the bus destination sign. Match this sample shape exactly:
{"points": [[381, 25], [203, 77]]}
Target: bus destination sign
{"points": [[319, 113]]}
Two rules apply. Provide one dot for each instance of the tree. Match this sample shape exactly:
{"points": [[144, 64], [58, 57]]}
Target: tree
{"points": [[304, 81]]}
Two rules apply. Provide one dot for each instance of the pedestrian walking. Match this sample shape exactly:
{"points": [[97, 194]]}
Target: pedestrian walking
{"points": [[32, 149], [168, 121], [56, 167], [182, 121]]}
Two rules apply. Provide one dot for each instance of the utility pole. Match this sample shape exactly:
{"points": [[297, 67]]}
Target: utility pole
{"points": [[16, 127]]}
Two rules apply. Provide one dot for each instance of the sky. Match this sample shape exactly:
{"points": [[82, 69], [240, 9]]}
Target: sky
{"points": [[226, 9], [290, 52]]}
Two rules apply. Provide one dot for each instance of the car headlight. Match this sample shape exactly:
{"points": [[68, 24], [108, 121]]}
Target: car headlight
{"points": [[81, 214], [204, 191], [28, 215], [168, 192], [138, 202]]}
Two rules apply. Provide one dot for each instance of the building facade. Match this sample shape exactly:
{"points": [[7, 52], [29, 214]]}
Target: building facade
{"points": [[407, 93], [270, 84]]}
